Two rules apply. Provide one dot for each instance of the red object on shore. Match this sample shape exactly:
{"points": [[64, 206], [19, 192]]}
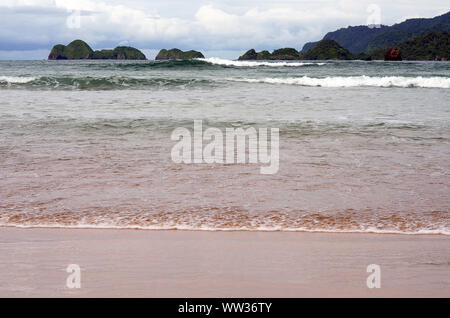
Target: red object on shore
{"points": [[393, 54]]}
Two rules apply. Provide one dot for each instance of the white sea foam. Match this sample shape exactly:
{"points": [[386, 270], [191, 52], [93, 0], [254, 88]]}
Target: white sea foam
{"points": [[186, 227], [218, 61], [16, 79], [355, 81]]}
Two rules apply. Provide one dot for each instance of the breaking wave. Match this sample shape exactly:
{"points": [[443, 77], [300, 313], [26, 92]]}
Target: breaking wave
{"points": [[100, 83], [218, 61], [356, 81], [164, 64], [15, 80]]}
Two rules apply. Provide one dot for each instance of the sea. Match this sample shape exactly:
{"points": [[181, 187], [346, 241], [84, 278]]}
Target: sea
{"points": [[363, 146]]}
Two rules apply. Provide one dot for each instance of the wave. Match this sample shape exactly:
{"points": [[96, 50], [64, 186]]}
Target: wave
{"points": [[184, 227], [99, 83], [164, 64], [218, 61], [16, 79], [355, 81], [431, 223], [126, 82], [204, 63]]}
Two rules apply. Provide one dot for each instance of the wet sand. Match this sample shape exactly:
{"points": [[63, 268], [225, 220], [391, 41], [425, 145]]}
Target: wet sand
{"points": [[134, 263]]}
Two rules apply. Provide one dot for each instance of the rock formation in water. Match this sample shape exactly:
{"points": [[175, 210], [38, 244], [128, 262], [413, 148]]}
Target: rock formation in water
{"points": [[76, 50], [285, 54], [80, 50], [328, 49], [249, 55], [119, 53], [176, 54], [325, 50], [280, 54]]}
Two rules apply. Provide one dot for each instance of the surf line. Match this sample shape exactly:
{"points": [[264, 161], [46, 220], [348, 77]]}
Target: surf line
{"points": [[229, 150]]}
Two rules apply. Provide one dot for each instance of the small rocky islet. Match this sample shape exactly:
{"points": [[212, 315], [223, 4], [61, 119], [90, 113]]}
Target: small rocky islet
{"points": [[80, 50], [177, 54], [325, 50]]}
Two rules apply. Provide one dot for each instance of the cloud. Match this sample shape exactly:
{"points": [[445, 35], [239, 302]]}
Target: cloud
{"points": [[210, 28], [39, 24]]}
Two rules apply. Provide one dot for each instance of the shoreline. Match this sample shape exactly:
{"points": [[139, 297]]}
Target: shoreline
{"points": [[117, 263], [225, 230]]}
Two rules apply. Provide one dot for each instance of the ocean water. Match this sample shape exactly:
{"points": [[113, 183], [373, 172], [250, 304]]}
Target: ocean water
{"points": [[364, 146]]}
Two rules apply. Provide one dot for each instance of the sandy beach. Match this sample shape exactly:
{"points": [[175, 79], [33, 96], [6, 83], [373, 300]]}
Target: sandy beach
{"points": [[134, 263]]}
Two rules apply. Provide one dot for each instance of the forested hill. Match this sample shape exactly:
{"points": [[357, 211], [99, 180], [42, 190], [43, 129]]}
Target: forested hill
{"points": [[365, 39], [434, 45]]}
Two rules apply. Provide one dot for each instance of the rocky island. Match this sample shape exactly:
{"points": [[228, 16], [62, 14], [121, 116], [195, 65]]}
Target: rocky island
{"points": [[280, 54], [328, 49], [325, 50], [80, 50], [176, 54]]}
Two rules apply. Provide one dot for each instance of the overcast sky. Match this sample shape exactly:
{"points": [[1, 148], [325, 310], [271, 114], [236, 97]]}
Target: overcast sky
{"points": [[29, 28]]}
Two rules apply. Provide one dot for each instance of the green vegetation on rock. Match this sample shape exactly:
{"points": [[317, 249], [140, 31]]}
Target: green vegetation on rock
{"points": [[176, 54], [280, 54], [328, 49], [434, 45], [263, 55], [78, 50], [249, 55], [285, 54], [57, 53], [103, 55], [128, 53]]}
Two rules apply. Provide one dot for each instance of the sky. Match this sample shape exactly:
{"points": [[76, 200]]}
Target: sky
{"points": [[227, 28]]}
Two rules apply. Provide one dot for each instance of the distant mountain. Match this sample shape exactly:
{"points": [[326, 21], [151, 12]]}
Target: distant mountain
{"points": [[355, 39], [365, 39], [434, 45], [80, 50], [410, 28]]}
